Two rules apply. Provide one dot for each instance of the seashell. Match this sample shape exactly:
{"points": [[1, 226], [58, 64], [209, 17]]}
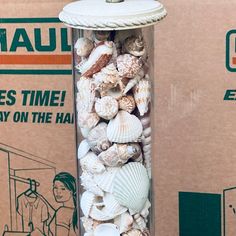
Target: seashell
{"points": [[105, 180], [132, 82], [128, 65], [100, 35], [124, 222], [118, 154], [106, 229], [89, 234], [131, 186], [87, 181], [98, 58], [97, 138], [140, 222], [106, 107], [133, 232], [134, 46], [145, 211], [124, 128], [87, 120], [127, 103], [83, 149], [142, 95], [84, 47], [86, 202], [91, 163], [116, 92], [86, 95], [84, 132], [147, 132], [87, 223]]}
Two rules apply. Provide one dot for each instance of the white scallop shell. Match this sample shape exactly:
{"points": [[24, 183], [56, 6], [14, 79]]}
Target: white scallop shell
{"points": [[97, 138], [91, 163], [142, 95], [105, 180], [106, 107], [106, 230], [83, 149], [124, 128], [124, 222], [83, 47], [86, 202], [131, 186]]}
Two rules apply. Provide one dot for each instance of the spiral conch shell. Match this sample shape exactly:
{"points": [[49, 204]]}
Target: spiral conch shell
{"points": [[118, 154], [127, 103], [97, 138], [84, 47], [128, 65], [106, 107], [98, 58], [135, 46]]}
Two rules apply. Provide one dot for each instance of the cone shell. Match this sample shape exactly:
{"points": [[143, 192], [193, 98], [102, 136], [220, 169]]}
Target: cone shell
{"points": [[131, 186], [124, 128], [84, 47], [142, 95], [97, 138], [83, 149], [91, 163], [106, 230], [106, 107], [98, 59], [128, 65], [127, 103], [86, 202], [135, 46]]}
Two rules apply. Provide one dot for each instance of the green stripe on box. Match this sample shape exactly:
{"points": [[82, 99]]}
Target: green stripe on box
{"points": [[199, 214]]}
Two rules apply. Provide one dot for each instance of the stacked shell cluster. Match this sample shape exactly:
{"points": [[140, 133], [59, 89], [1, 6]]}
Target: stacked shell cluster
{"points": [[113, 96]]}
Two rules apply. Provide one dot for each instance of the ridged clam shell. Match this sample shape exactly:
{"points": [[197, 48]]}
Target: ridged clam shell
{"points": [[142, 95], [128, 65], [106, 107], [105, 180], [86, 202], [98, 58], [97, 138], [124, 222], [84, 47], [83, 149], [107, 229], [87, 120], [91, 163], [131, 186], [127, 103], [124, 128], [135, 45]]}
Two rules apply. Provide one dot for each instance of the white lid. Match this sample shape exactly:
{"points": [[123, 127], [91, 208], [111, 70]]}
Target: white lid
{"points": [[100, 15]]}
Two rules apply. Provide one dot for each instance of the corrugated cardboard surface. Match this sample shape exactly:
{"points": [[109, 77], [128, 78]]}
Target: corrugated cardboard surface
{"points": [[33, 150], [195, 133]]}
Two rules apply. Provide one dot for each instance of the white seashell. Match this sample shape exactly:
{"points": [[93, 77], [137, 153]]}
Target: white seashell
{"points": [[91, 163], [87, 181], [89, 234], [131, 186], [135, 46], [147, 132], [105, 180], [83, 47], [85, 132], [87, 223], [106, 230], [147, 148], [133, 232], [98, 58], [128, 65], [106, 107], [145, 211], [87, 120], [124, 222], [86, 202], [127, 103], [83, 149], [124, 128], [97, 138], [140, 222], [142, 95], [146, 141]]}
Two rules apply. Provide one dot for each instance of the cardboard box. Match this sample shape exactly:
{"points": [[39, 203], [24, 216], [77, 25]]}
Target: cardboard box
{"points": [[195, 119], [37, 144]]}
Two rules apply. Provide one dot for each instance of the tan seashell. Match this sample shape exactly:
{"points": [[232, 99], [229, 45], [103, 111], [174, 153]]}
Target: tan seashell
{"points": [[97, 138], [142, 95], [87, 120], [84, 47], [127, 103], [124, 128], [98, 58], [124, 222], [106, 107], [128, 65], [135, 46], [133, 232], [118, 154]]}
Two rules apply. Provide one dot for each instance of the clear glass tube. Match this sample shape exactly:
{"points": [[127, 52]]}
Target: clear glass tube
{"points": [[112, 73]]}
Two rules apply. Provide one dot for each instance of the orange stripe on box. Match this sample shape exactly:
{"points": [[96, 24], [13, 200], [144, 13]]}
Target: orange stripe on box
{"points": [[234, 61], [35, 59]]}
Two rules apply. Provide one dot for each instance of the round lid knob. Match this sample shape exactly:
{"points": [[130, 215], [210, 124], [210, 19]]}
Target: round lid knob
{"points": [[112, 14]]}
